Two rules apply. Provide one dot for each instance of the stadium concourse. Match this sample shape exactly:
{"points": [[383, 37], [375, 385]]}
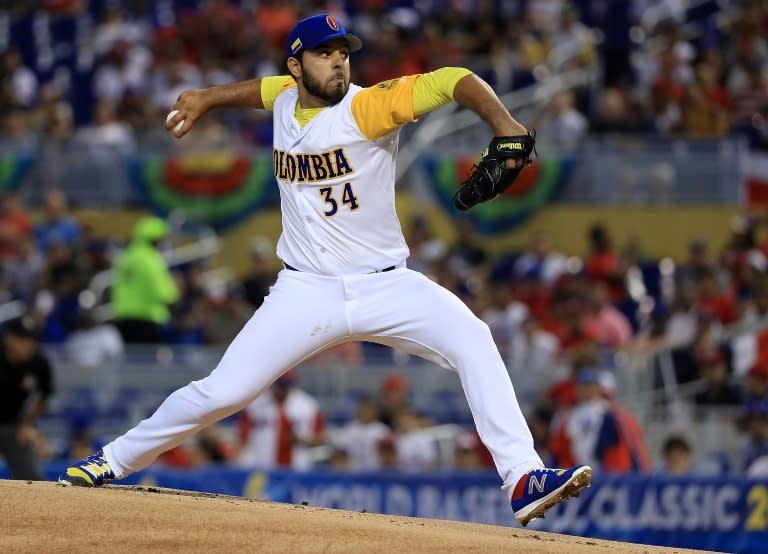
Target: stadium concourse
{"points": [[162, 520]]}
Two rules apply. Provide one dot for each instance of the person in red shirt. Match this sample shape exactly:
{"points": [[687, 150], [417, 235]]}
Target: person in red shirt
{"points": [[602, 262], [712, 299], [14, 226]]}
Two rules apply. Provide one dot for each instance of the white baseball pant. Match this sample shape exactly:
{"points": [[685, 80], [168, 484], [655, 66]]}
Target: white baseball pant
{"points": [[306, 313]]}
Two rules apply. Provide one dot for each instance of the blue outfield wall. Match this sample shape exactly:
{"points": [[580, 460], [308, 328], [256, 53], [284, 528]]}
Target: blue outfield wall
{"points": [[723, 514]]}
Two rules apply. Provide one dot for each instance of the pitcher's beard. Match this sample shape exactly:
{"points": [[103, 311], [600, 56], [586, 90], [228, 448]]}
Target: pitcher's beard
{"points": [[331, 95]]}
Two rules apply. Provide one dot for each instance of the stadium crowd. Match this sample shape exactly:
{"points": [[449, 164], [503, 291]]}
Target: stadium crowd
{"points": [[546, 309], [105, 73]]}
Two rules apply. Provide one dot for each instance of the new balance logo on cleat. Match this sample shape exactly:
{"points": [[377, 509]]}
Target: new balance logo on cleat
{"points": [[540, 489], [93, 471]]}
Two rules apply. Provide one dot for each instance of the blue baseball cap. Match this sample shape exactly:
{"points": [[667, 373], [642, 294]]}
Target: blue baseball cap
{"points": [[313, 31]]}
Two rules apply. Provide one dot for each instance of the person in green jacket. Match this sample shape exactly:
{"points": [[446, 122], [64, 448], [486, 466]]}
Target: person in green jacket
{"points": [[143, 287]]}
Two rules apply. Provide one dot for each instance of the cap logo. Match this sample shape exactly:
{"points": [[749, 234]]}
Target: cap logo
{"points": [[296, 46], [332, 22]]}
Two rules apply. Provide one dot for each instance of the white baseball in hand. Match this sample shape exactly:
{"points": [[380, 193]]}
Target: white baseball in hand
{"points": [[178, 125]]}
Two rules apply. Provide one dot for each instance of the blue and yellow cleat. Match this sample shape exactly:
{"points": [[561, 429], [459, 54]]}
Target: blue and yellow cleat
{"points": [[540, 489], [93, 471]]}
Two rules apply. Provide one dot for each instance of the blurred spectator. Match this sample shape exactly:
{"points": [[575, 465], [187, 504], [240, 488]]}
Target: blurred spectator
{"points": [[211, 448], [683, 318], [573, 43], [756, 449], [470, 453], [18, 134], [143, 287], [668, 93], [393, 398], [603, 321], [687, 360], [96, 349], [698, 264], [122, 71], [346, 354], [227, 313], [711, 299], [594, 432], [701, 117], [708, 79], [280, 426], [416, 449], [359, 438], [602, 263], [540, 423], [562, 393], [716, 391], [755, 310], [19, 83], [425, 248], [339, 459], [56, 154], [386, 449], [532, 349], [756, 384], [619, 112], [206, 447], [81, 443], [15, 226], [749, 99], [23, 271], [503, 315], [57, 225], [116, 28], [275, 20], [259, 278], [467, 253], [26, 383], [677, 458], [64, 278], [466, 455], [541, 259], [561, 124], [108, 132]]}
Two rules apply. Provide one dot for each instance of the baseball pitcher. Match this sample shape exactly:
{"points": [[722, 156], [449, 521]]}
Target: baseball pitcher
{"points": [[344, 255]]}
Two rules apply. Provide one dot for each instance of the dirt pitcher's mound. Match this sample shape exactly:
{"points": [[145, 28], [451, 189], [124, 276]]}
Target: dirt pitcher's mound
{"points": [[46, 517]]}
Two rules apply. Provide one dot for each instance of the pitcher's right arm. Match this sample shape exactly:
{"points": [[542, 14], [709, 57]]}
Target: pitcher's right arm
{"points": [[257, 94]]}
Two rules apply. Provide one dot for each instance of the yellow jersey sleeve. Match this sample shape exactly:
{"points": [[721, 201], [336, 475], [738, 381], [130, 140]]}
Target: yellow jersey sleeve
{"points": [[272, 87], [435, 89], [386, 106]]}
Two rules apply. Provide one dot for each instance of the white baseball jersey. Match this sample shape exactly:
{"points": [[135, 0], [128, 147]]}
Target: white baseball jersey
{"points": [[336, 190]]}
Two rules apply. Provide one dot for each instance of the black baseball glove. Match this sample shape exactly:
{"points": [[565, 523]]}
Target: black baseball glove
{"points": [[490, 177]]}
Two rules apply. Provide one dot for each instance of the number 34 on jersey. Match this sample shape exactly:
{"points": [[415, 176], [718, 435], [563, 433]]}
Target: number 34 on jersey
{"points": [[331, 198]]}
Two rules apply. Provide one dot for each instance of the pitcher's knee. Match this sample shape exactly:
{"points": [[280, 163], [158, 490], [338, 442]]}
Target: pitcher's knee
{"points": [[482, 334], [473, 337], [217, 401]]}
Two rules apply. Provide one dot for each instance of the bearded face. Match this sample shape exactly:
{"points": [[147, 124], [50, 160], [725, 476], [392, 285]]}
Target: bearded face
{"points": [[331, 90]]}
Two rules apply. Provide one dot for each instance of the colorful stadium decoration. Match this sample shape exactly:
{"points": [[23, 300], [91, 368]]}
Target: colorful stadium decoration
{"points": [[536, 186], [218, 189]]}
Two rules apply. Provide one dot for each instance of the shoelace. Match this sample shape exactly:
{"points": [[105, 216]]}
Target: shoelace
{"points": [[546, 470]]}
